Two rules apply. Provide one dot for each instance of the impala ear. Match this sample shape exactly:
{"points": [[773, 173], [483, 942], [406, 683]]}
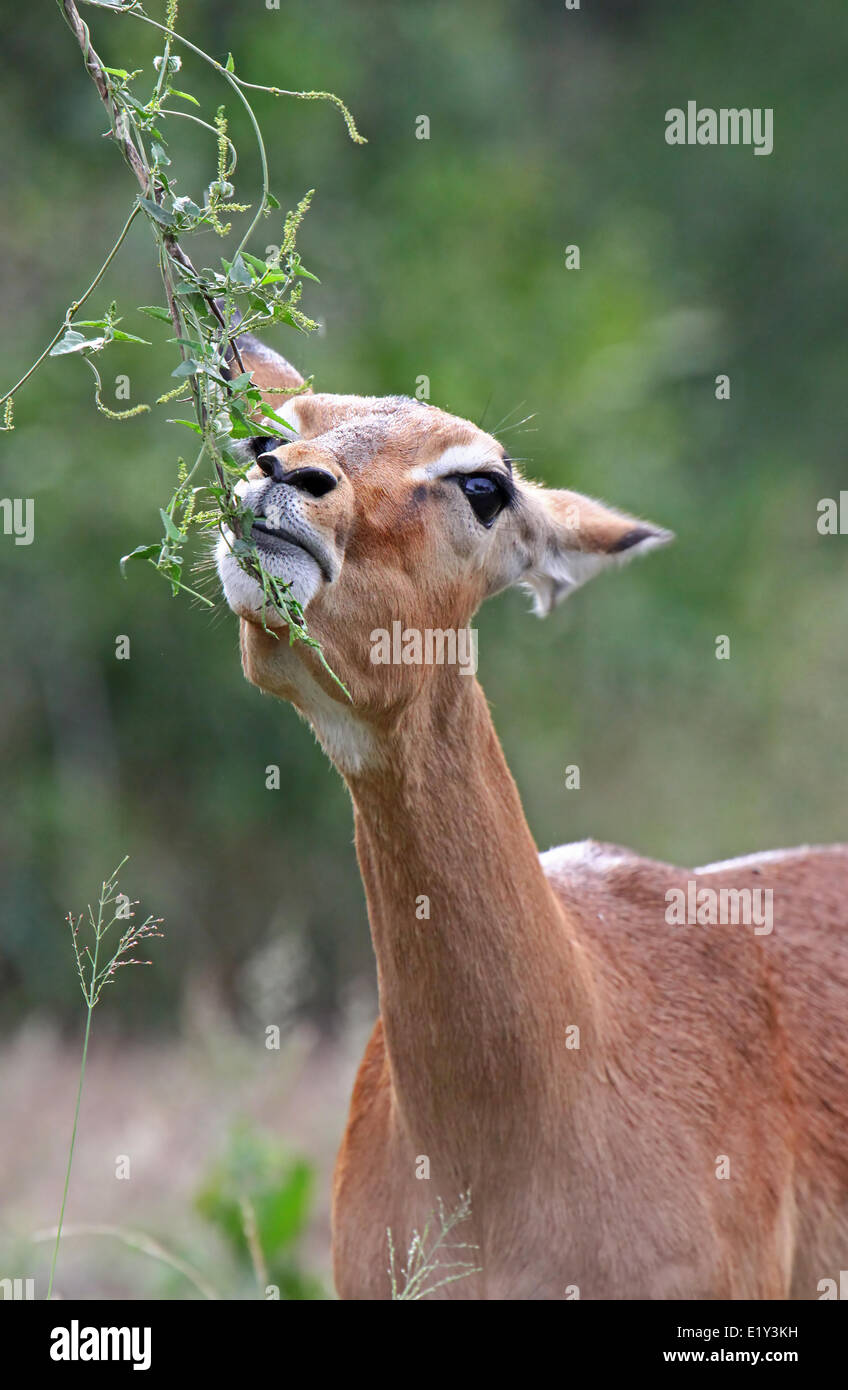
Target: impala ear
{"points": [[575, 539], [275, 377]]}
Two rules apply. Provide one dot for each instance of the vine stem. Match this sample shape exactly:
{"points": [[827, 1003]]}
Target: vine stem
{"points": [[128, 136], [76, 306], [136, 162], [237, 83], [233, 82], [95, 71], [187, 116]]}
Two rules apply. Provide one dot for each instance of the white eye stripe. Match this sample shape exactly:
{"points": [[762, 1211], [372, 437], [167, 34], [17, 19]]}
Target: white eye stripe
{"points": [[457, 458]]}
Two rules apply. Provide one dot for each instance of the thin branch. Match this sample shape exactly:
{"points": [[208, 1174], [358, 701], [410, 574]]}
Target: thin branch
{"points": [[77, 304]]}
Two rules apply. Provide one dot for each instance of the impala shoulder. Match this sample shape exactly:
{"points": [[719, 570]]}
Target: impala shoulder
{"points": [[800, 857], [610, 869], [592, 856]]}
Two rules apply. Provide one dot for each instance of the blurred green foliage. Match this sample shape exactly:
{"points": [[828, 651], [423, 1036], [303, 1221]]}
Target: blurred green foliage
{"points": [[445, 258], [259, 1197]]}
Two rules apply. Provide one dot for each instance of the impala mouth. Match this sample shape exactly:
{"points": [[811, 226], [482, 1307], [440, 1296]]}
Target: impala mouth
{"points": [[280, 541]]}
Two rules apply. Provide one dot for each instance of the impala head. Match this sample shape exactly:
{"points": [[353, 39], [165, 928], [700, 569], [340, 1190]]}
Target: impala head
{"points": [[385, 510]]}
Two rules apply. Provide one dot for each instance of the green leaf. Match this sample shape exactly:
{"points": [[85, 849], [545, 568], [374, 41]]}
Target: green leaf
{"points": [[75, 342], [187, 368], [154, 312], [129, 338], [141, 552], [187, 206], [240, 426], [158, 214], [276, 1183], [271, 201], [189, 424], [278, 419], [282, 1213], [240, 273], [186, 96], [214, 375], [170, 529], [159, 154], [71, 342], [194, 298], [230, 65], [254, 262]]}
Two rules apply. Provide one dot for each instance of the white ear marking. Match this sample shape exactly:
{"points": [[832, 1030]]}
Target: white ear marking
{"points": [[563, 569]]}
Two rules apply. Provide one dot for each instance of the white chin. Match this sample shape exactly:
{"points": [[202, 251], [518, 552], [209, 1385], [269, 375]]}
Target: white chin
{"points": [[287, 562]]}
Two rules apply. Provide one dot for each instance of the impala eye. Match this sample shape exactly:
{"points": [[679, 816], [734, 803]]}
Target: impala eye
{"points": [[486, 495]]}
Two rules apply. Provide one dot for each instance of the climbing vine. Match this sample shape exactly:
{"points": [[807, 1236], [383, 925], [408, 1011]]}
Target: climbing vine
{"points": [[207, 308]]}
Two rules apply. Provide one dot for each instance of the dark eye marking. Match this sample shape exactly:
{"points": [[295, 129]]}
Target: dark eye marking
{"points": [[486, 493]]}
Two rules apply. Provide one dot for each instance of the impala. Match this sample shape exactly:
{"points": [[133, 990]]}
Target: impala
{"points": [[639, 1109]]}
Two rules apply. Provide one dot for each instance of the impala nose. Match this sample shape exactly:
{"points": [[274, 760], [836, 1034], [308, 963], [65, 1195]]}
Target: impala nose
{"points": [[316, 482]]}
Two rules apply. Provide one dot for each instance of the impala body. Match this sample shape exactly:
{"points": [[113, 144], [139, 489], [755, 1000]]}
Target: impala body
{"points": [[640, 1108]]}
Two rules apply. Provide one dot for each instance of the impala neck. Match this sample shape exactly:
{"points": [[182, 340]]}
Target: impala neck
{"points": [[479, 971]]}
